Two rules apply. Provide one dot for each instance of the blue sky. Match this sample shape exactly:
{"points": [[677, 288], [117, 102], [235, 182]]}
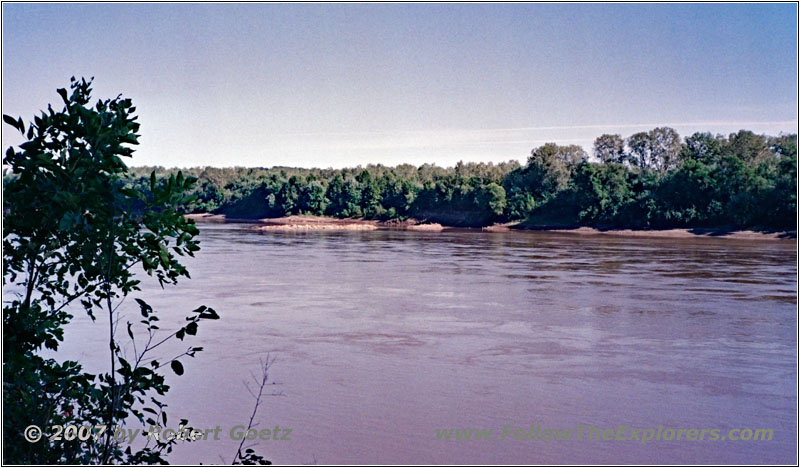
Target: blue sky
{"points": [[340, 85]]}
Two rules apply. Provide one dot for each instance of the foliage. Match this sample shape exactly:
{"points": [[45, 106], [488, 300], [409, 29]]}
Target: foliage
{"points": [[76, 228], [655, 150], [610, 148], [649, 180]]}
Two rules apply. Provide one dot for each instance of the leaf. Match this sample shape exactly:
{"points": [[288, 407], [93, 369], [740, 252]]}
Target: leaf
{"points": [[29, 145], [177, 367], [145, 308], [63, 93], [210, 314], [191, 329], [130, 333], [164, 254], [129, 192], [14, 123]]}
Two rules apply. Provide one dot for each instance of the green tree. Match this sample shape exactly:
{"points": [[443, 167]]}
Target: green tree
{"points": [[702, 147], [688, 195], [598, 192], [655, 150], [640, 149], [344, 196], [370, 195], [610, 148], [750, 148], [492, 198], [782, 211], [665, 145], [312, 198], [550, 167], [74, 232], [287, 196], [398, 195]]}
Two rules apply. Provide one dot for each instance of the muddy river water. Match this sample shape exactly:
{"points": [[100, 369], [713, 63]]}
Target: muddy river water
{"points": [[389, 342]]}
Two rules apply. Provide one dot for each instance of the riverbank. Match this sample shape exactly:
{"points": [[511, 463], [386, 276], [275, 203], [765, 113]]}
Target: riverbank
{"points": [[678, 233], [319, 223]]}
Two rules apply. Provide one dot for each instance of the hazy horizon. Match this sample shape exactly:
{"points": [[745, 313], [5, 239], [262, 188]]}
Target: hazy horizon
{"points": [[300, 85]]}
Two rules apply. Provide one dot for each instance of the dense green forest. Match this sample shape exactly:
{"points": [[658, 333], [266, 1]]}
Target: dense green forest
{"points": [[651, 179]]}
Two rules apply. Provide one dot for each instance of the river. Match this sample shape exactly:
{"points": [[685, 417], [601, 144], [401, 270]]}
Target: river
{"points": [[382, 338]]}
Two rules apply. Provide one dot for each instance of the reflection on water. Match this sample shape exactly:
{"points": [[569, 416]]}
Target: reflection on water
{"points": [[382, 337]]}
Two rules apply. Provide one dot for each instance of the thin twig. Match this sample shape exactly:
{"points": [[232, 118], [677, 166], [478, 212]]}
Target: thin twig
{"points": [[265, 365]]}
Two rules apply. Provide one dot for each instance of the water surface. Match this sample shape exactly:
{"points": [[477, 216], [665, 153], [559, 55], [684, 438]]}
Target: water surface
{"points": [[383, 337]]}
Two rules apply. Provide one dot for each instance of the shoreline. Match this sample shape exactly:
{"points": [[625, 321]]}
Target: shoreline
{"points": [[318, 223], [299, 223]]}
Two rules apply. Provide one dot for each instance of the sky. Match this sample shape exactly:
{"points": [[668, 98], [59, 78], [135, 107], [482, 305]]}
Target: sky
{"points": [[340, 85]]}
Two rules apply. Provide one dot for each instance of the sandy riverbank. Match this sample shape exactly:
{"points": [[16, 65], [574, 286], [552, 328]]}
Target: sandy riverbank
{"points": [[318, 223], [653, 233]]}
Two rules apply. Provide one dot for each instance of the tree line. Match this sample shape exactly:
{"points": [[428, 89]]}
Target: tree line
{"points": [[650, 179]]}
